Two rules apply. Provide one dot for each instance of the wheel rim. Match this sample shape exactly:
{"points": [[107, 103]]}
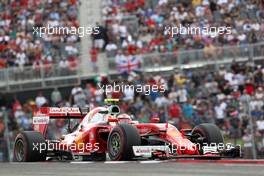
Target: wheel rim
{"points": [[200, 143], [115, 144], [19, 150]]}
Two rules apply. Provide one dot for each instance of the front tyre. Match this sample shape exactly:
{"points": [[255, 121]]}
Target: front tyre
{"points": [[121, 141], [27, 147], [207, 134]]}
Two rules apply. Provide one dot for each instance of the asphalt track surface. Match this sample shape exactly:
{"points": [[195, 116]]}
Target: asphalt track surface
{"points": [[143, 168]]}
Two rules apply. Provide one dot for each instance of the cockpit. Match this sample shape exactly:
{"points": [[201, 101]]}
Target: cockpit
{"points": [[95, 116], [102, 115]]}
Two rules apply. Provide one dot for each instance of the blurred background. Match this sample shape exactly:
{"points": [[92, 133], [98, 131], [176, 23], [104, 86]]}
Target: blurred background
{"points": [[207, 79]]}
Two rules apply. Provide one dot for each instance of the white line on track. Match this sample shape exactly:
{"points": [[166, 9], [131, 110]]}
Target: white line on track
{"points": [[82, 162], [116, 162], [150, 162]]}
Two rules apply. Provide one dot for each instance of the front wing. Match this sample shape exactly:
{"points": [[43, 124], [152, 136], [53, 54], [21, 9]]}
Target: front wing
{"points": [[163, 152]]}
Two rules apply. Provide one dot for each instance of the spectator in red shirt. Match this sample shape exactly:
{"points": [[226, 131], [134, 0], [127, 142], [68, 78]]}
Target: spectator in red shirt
{"points": [[249, 88], [236, 93], [16, 105], [174, 113], [2, 127], [2, 63], [47, 65], [73, 64], [94, 53], [117, 94]]}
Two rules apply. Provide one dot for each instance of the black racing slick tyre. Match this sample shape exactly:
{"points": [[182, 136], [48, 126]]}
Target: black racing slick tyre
{"points": [[121, 141], [30, 146], [208, 134]]}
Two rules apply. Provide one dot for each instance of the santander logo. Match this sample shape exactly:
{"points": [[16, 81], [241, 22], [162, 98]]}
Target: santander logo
{"points": [[63, 110]]}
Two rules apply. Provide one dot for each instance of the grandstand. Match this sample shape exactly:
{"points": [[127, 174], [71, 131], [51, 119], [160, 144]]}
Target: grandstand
{"points": [[208, 79]]}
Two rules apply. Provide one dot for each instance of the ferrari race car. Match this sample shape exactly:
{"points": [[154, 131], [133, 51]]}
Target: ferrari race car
{"points": [[104, 130]]}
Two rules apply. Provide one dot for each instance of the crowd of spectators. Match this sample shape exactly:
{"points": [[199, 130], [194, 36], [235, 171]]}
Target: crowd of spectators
{"points": [[227, 98], [21, 45], [138, 26]]}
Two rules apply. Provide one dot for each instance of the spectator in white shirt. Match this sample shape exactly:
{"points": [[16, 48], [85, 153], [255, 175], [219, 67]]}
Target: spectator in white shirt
{"points": [[56, 97], [222, 2], [40, 100], [64, 66], [220, 113], [128, 93], [182, 95], [161, 101], [111, 49]]}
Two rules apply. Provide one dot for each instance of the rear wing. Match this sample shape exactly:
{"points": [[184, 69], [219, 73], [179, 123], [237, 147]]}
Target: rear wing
{"points": [[62, 113], [42, 117]]}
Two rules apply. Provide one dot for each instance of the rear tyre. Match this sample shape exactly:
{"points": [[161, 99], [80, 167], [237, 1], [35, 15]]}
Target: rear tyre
{"points": [[208, 134], [27, 147], [120, 142]]}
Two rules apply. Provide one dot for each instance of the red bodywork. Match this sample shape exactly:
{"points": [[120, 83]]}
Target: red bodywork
{"points": [[94, 134]]}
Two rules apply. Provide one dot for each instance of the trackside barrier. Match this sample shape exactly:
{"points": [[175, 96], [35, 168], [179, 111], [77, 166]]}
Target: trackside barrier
{"points": [[184, 59], [29, 78]]}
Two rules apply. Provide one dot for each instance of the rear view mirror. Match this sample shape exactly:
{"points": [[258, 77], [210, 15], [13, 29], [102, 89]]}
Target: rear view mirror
{"points": [[155, 120]]}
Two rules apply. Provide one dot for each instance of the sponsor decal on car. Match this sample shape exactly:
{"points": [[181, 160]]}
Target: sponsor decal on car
{"points": [[209, 149], [37, 120], [63, 110], [147, 151]]}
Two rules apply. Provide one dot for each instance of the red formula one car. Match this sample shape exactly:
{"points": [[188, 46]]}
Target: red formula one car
{"points": [[104, 130]]}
